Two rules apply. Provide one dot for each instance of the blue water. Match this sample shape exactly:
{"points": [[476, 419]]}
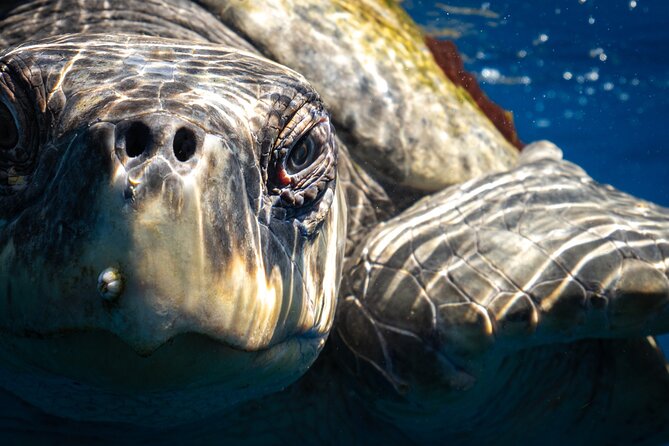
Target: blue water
{"points": [[590, 75]]}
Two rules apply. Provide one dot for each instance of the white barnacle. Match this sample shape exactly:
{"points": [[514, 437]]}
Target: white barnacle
{"points": [[110, 284]]}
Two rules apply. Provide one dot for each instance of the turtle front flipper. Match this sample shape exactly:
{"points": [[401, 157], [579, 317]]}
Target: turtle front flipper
{"points": [[489, 284]]}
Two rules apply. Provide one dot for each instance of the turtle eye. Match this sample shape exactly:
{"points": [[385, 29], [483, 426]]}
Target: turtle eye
{"points": [[301, 155], [303, 168], [9, 133]]}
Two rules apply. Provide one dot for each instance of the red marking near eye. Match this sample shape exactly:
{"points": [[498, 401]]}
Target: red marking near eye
{"points": [[282, 177]]}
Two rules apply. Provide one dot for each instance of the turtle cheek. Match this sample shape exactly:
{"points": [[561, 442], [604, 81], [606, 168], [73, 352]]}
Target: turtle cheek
{"points": [[326, 260], [310, 266]]}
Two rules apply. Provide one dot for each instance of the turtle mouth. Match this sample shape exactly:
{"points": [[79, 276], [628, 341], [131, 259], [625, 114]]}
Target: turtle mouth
{"points": [[94, 375], [101, 359]]}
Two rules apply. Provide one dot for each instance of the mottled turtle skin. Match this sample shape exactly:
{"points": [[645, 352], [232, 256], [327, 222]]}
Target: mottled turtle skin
{"points": [[205, 239]]}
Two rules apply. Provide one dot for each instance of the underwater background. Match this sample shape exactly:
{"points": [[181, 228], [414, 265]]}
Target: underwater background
{"points": [[590, 75]]}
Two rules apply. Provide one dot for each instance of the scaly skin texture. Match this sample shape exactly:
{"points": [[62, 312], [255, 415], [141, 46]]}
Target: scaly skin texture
{"points": [[415, 127], [511, 308], [181, 20]]}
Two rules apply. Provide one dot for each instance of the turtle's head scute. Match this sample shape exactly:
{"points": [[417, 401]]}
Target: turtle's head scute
{"points": [[178, 203]]}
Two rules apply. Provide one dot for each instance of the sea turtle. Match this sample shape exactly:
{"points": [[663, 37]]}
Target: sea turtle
{"points": [[181, 229]]}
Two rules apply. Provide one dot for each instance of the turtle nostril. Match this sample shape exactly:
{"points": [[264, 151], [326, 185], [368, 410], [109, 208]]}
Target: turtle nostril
{"points": [[184, 144], [137, 139]]}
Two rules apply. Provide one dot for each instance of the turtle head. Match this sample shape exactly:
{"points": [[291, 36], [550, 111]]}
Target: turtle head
{"points": [[169, 224]]}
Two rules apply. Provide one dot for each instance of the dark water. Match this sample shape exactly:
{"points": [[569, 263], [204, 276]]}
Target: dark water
{"points": [[590, 75]]}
